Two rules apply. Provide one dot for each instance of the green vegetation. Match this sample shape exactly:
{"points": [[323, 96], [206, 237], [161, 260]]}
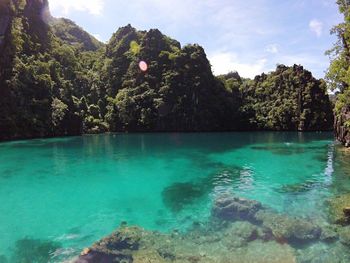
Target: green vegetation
{"points": [[338, 74], [56, 79], [73, 35], [287, 99]]}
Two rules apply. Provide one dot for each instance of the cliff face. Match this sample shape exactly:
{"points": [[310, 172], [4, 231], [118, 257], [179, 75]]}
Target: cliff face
{"points": [[39, 74], [56, 79], [289, 98], [342, 126], [178, 92], [5, 13]]}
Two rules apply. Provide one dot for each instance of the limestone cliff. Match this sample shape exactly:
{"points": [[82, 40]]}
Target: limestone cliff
{"points": [[342, 126]]}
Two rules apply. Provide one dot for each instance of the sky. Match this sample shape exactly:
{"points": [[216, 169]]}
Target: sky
{"points": [[248, 36]]}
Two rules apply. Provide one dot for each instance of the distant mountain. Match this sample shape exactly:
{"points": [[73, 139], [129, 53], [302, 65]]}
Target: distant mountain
{"points": [[71, 34], [56, 79]]}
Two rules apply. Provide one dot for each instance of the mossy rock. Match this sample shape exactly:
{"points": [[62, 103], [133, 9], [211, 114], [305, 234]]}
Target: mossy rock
{"points": [[344, 234], [288, 229], [117, 247], [337, 208]]}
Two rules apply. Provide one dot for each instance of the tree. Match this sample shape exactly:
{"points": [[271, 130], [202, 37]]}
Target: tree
{"points": [[338, 74]]}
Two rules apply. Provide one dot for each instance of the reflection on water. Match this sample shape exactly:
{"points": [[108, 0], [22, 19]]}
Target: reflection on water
{"points": [[159, 182]]}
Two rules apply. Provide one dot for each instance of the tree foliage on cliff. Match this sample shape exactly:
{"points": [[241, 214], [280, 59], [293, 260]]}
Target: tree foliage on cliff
{"points": [[289, 98], [177, 93], [43, 78], [338, 74], [56, 79]]}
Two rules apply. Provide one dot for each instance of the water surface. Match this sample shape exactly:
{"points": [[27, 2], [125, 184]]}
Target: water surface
{"points": [[73, 191]]}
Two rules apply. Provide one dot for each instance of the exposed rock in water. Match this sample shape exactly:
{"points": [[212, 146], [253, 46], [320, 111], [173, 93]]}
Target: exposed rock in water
{"points": [[158, 248], [240, 230], [341, 128], [339, 209], [232, 208], [114, 248]]}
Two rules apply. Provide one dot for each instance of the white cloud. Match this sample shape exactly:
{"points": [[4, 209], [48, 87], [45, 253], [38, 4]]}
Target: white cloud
{"points": [[64, 7], [224, 62], [316, 26], [273, 48]]}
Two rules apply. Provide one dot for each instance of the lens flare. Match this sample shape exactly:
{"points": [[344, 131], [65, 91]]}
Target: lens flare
{"points": [[143, 66]]}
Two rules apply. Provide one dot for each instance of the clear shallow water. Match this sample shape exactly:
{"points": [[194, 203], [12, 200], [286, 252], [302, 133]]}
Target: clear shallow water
{"points": [[74, 191]]}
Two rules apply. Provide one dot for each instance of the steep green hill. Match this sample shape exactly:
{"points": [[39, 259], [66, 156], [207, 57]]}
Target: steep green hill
{"points": [[177, 93], [287, 99], [56, 79], [338, 74], [74, 35]]}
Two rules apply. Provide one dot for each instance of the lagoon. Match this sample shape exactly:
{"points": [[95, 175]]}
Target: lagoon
{"points": [[70, 192]]}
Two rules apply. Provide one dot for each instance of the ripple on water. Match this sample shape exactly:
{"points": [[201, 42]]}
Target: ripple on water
{"points": [[96, 182]]}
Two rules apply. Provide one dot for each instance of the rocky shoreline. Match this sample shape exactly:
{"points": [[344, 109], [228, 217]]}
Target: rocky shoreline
{"points": [[239, 230], [341, 126]]}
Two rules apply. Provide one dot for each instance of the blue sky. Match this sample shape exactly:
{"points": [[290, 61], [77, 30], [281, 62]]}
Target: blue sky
{"points": [[250, 36]]}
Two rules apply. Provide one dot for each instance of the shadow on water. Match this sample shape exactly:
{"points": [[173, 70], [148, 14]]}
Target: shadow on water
{"points": [[3, 259], [300, 188], [29, 250], [289, 149], [219, 142], [7, 174], [179, 195]]}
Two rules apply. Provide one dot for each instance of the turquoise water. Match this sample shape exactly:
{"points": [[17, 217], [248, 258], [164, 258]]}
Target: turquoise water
{"points": [[73, 191]]}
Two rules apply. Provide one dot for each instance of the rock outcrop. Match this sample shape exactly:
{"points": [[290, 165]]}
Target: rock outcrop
{"points": [[344, 234], [232, 208], [339, 207], [342, 128], [240, 230], [289, 229], [239, 243], [282, 227]]}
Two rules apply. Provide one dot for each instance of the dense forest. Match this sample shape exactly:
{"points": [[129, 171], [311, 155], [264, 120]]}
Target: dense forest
{"points": [[56, 79], [338, 74]]}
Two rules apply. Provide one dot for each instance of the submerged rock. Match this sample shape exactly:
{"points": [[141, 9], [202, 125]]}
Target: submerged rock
{"points": [[321, 253], [298, 188], [165, 248], [3, 259], [285, 228], [339, 208], [329, 234], [230, 208], [344, 234], [34, 250], [263, 252], [240, 233], [178, 195]]}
